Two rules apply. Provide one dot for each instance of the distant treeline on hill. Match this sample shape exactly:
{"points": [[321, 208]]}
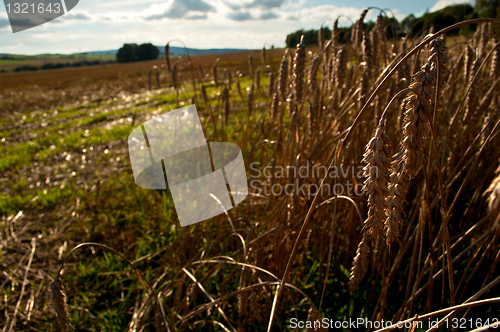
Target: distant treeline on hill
{"points": [[411, 26], [57, 65]]}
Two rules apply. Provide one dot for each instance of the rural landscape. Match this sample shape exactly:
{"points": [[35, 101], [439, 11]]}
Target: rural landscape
{"points": [[373, 166]]}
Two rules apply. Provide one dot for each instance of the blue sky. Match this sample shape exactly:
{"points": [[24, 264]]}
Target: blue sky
{"points": [[102, 25]]}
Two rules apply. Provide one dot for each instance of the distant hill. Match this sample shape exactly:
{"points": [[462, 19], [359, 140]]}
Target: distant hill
{"points": [[174, 50], [113, 52]]}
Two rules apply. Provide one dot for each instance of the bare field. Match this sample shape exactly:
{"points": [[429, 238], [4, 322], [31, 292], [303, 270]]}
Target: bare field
{"points": [[60, 77]]}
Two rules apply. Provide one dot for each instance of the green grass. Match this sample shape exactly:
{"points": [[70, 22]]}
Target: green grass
{"points": [[44, 199], [12, 62]]}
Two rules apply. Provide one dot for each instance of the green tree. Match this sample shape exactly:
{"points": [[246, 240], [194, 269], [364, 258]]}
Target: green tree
{"points": [[127, 53], [134, 52], [146, 52], [488, 8], [310, 37], [440, 19]]}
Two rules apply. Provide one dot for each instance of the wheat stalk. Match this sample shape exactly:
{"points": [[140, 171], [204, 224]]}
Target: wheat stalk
{"points": [[335, 34], [359, 28], [495, 61], [250, 99], [374, 47], [382, 39], [366, 51], [483, 38], [225, 99], [468, 60], [238, 87], [229, 80], [493, 193], [298, 70], [214, 73], [174, 76], [250, 65], [471, 100], [275, 105], [271, 82], [283, 81], [363, 86], [204, 94], [257, 79], [340, 67], [167, 56], [202, 74], [314, 108], [312, 73], [321, 38]]}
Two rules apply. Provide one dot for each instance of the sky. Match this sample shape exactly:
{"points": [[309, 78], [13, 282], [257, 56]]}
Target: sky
{"points": [[95, 25]]}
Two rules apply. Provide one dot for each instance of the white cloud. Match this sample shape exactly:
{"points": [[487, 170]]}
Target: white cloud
{"points": [[443, 3], [183, 9], [212, 24], [14, 48], [240, 16]]}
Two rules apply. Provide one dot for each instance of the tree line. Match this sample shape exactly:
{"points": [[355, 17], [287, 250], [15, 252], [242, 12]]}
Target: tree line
{"points": [[411, 26]]}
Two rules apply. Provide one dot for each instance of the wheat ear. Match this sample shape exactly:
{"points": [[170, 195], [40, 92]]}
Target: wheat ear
{"points": [[298, 70], [358, 269], [415, 131], [271, 82], [250, 65], [167, 56], [59, 303], [283, 81], [493, 193], [377, 159], [225, 99], [250, 99]]}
